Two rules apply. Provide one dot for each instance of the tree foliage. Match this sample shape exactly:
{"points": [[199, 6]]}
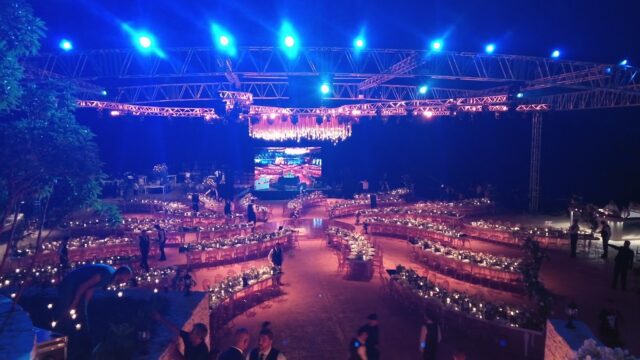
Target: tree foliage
{"points": [[20, 34]]}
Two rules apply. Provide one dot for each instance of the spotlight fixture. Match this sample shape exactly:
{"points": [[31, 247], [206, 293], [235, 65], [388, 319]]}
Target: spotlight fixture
{"points": [[325, 89], [289, 41], [103, 92], [624, 62], [359, 43], [520, 95], [555, 54], [423, 89], [490, 48], [65, 45], [437, 45], [145, 42]]}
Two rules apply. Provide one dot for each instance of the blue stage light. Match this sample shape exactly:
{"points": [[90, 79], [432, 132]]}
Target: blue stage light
{"points": [[325, 89], [437, 45], [66, 45], [145, 41], [555, 54], [423, 89], [289, 40], [624, 62], [103, 92], [359, 43], [490, 48], [223, 40], [520, 95]]}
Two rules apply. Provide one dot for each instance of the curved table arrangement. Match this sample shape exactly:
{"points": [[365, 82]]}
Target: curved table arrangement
{"points": [[363, 201], [466, 314], [515, 235], [304, 201], [238, 293], [218, 251], [467, 207], [408, 228], [411, 212], [470, 266]]}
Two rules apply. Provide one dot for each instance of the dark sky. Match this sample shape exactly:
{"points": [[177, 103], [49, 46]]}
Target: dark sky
{"points": [[590, 30]]}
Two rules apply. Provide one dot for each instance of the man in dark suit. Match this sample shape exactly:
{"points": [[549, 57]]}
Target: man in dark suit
{"points": [[623, 263], [240, 345]]}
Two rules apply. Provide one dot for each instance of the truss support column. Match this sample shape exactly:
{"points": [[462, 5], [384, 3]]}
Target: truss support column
{"points": [[534, 166]]}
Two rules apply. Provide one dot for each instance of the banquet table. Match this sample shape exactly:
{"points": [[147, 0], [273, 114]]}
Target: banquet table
{"points": [[442, 219], [521, 341], [440, 260], [350, 210], [402, 231], [359, 270], [231, 253]]}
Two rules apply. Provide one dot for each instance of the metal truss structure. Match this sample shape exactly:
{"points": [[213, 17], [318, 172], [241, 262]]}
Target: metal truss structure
{"points": [[370, 82], [370, 75], [534, 165]]}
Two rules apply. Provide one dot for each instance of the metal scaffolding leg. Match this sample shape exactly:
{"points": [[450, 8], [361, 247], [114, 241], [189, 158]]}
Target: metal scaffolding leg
{"points": [[534, 170]]}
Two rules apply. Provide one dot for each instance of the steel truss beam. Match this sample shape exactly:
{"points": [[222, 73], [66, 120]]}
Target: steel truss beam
{"points": [[372, 66], [495, 103], [148, 110], [270, 90]]}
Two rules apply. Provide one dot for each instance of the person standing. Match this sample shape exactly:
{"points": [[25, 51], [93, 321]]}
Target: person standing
{"points": [[605, 233], [265, 349], [357, 347], [195, 203], [227, 210], [623, 263], [63, 252], [162, 241], [276, 259], [251, 213], [373, 337], [144, 250], [76, 288], [430, 337], [573, 237], [195, 347], [240, 345]]}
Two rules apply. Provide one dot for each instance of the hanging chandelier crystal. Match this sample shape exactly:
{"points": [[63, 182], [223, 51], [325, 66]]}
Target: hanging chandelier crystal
{"points": [[274, 128]]}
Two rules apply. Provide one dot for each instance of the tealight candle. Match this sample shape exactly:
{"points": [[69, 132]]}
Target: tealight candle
{"points": [[78, 326]]}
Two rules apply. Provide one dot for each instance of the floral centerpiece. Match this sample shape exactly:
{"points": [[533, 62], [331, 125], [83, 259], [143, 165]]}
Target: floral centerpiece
{"points": [[234, 283], [160, 172], [591, 351], [360, 247], [505, 315]]}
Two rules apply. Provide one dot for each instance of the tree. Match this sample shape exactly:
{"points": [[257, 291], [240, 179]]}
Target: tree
{"points": [[46, 155], [20, 34]]}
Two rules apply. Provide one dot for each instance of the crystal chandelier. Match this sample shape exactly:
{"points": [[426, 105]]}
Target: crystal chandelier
{"points": [[273, 128]]}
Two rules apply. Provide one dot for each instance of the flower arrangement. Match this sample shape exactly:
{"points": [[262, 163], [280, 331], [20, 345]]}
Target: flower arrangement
{"points": [[234, 283], [591, 351], [360, 247], [505, 315]]}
